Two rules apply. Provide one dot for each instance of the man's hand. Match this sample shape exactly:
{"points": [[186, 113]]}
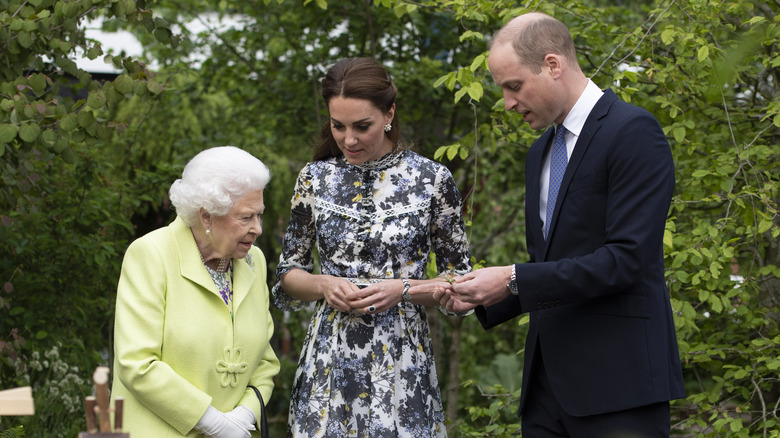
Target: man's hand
{"points": [[447, 299], [483, 287]]}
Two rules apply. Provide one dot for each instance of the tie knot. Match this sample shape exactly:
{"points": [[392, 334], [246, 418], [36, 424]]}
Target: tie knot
{"points": [[560, 132]]}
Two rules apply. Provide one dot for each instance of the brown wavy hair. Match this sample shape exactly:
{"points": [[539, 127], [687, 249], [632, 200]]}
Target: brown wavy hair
{"points": [[356, 78]]}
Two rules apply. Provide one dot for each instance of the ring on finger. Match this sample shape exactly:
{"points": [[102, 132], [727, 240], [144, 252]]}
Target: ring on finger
{"points": [[371, 309]]}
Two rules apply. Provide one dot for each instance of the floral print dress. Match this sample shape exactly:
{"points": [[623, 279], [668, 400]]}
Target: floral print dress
{"points": [[370, 375]]}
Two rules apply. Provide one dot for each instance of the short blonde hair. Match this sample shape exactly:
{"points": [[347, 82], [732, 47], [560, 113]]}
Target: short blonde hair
{"points": [[214, 180], [534, 36]]}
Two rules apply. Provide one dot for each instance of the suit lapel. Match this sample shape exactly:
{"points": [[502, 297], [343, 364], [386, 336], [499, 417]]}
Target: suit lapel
{"points": [[584, 140]]}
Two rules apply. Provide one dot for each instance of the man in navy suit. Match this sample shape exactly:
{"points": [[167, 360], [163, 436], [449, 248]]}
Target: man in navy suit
{"points": [[601, 355]]}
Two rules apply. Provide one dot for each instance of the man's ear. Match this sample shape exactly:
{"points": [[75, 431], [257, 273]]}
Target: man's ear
{"points": [[553, 64]]}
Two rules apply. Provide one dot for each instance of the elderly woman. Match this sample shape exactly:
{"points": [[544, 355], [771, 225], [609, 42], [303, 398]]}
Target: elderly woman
{"points": [[192, 315]]}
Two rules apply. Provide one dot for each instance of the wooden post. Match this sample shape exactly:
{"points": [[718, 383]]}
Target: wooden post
{"points": [[101, 391], [98, 410], [89, 407]]}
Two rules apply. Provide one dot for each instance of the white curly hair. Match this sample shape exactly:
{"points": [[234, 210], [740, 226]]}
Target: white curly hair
{"points": [[214, 180]]}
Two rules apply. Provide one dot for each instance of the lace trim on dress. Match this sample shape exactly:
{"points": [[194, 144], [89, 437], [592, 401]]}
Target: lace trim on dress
{"points": [[388, 160], [378, 216]]}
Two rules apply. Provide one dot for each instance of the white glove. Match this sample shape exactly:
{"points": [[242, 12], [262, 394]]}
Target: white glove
{"points": [[216, 424], [243, 416]]}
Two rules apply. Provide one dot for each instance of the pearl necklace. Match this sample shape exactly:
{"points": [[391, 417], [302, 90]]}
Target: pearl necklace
{"points": [[221, 266]]}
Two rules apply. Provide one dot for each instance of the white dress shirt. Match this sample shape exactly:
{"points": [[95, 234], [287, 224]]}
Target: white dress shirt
{"points": [[573, 123]]}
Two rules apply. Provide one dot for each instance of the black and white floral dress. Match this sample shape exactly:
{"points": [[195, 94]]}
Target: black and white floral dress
{"points": [[370, 375]]}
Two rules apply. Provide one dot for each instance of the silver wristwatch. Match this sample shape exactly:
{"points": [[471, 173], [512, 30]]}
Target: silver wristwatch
{"points": [[405, 294], [512, 285]]}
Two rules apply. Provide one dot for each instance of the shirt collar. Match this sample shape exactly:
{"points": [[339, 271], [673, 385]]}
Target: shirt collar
{"points": [[575, 120]]}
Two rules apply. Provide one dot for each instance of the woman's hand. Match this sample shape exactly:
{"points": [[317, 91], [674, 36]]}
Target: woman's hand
{"points": [[216, 424], [337, 292], [383, 295], [377, 297]]}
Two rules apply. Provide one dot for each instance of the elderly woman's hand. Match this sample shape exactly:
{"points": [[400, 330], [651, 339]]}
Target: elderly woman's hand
{"points": [[216, 424]]}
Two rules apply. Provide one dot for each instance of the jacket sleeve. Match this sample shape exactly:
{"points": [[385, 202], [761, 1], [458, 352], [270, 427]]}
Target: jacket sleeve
{"points": [[140, 316]]}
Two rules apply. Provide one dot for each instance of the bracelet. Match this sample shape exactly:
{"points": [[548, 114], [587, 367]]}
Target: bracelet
{"points": [[405, 294]]}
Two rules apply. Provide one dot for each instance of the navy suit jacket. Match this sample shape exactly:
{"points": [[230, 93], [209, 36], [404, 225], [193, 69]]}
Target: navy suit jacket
{"points": [[595, 290]]}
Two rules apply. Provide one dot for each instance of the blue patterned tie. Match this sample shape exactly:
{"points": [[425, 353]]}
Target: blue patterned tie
{"points": [[558, 161]]}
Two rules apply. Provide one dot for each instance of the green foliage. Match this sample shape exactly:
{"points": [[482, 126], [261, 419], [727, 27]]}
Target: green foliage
{"points": [[86, 165], [14, 432], [65, 201], [58, 390]]}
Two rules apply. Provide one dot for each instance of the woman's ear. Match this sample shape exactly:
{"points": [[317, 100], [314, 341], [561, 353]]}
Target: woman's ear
{"points": [[390, 115], [205, 219]]}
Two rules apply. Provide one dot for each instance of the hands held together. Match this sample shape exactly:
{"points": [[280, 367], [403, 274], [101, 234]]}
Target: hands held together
{"points": [[234, 424], [483, 287], [346, 296], [486, 286]]}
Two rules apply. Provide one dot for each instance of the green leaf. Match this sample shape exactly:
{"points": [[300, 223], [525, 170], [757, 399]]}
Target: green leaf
{"points": [[29, 132], [715, 303], [38, 83], [459, 94], [478, 62], [442, 79], [69, 122], [96, 99], [470, 34], [475, 91], [8, 133], [764, 225], [154, 87], [85, 118], [668, 241], [49, 137], [25, 39], [704, 53], [452, 151], [440, 152], [667, 36], [679, 134]]}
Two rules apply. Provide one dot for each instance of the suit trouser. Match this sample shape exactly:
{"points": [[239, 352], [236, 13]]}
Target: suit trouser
{"points": [[543, 416]]}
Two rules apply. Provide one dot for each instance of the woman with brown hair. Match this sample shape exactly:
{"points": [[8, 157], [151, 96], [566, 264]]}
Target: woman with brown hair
{"points": [[374, 211]]}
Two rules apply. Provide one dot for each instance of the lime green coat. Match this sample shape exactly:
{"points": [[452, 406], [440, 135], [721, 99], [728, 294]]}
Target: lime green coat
{"points": [[176, 349]]}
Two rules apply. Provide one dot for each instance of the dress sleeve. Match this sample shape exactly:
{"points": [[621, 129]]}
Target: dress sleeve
{"points": [[448, 235], [449, 240], [298, 242]]}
